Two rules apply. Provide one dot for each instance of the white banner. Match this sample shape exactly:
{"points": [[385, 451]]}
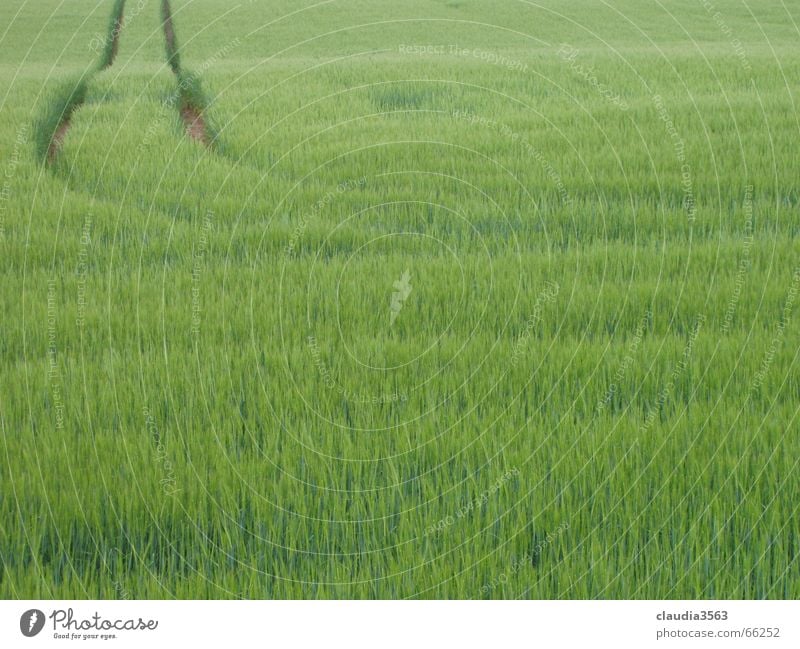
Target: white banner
{"points": [[389, 624]]}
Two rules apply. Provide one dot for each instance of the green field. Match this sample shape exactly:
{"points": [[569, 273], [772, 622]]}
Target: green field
{"points": [[452, 299]]}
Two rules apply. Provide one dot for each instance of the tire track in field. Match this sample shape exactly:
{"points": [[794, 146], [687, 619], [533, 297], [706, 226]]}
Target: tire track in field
{"points": [[193, 103], [111, 48], [52, 128]]}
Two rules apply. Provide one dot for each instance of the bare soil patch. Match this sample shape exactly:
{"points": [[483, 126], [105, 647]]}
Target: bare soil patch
{"points": [[195, 123], [57, 140]]}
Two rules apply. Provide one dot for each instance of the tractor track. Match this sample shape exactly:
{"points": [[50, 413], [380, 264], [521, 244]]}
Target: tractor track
{"points": [[53, 127]]}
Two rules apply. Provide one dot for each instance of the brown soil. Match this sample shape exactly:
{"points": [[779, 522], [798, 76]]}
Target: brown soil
{"points": [[195, 124], [58, 140]]}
